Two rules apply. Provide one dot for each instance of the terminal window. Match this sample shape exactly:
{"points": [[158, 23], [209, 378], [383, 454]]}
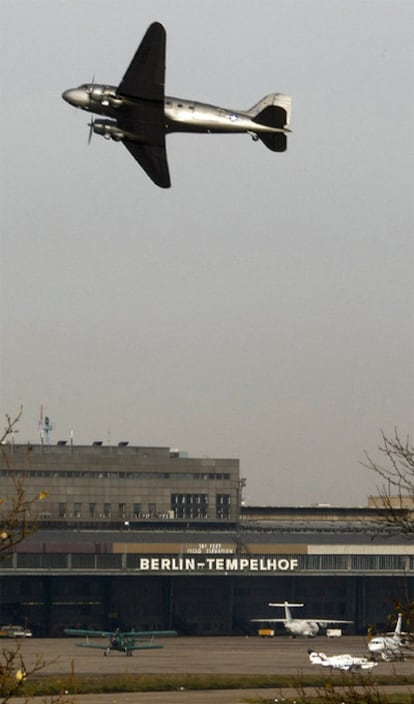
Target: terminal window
{"points": [[189, 505], [223, 506]]}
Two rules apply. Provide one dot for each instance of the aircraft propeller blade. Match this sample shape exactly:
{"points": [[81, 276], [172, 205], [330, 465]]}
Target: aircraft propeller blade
{"points": [[91, 85], [91, 125]]}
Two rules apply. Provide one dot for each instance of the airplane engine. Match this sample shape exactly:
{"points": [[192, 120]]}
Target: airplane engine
{"points": [[313, 629], [110, 99], [108, 129]]}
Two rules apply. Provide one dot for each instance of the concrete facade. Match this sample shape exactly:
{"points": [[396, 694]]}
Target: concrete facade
{"points": [[107, 485]]}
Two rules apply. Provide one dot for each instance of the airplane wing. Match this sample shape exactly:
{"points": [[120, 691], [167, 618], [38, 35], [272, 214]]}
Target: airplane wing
{"points": [[153, 159], [149, 634], [368, 665], [101, 646], [268, 620], [103, 634], [145, 78], [145, 75], [86, 632]]}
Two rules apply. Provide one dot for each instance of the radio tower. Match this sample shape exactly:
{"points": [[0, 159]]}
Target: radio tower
{"points": [[45, 426]]}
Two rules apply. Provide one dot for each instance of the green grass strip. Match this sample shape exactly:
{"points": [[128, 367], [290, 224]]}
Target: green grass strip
{"points": [[47, 685]]}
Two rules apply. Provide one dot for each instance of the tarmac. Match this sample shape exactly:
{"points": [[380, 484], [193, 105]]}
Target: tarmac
{"points": [[187, 655]]}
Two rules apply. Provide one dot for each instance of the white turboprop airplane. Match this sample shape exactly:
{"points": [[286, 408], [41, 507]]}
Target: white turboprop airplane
{"points": [[345, 662], [299, 626], [392, 646]]}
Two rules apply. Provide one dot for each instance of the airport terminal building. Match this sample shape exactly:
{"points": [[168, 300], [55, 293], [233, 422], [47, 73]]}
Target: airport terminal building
{"points": [[148, 538]]}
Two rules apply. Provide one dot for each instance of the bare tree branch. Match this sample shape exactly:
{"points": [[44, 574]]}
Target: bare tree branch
{"points": [[10, 426], [396, 469], [15, 524], [15, 510]]}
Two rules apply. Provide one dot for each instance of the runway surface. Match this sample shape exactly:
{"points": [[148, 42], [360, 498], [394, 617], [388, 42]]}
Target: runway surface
{"points": [[225, 655]]}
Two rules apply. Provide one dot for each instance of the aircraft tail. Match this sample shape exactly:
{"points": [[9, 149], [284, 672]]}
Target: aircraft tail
{"points": [[397, 631], [285, 605], [277, 141], [273, 111], [317, 658]]}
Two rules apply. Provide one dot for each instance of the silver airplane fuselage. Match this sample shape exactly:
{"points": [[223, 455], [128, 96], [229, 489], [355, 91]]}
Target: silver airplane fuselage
{"points": [[179, 115]]}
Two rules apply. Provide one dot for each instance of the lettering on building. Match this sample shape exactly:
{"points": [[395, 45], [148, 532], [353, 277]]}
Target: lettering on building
{"points": [[210, 549], [204, 563]]}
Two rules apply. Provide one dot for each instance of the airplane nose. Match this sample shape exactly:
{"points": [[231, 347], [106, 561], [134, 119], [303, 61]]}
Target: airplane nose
{"points": [[78, 97]]}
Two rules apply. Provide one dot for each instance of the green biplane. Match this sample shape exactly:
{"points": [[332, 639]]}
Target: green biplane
{"points": [[124, 642]]}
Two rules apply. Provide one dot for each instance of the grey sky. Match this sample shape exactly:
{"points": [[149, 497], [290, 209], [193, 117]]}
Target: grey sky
{"points": [[262, 307]]}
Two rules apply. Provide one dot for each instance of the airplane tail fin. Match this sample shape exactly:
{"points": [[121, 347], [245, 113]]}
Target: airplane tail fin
{"points": [[273, 111], [316, 658], [285, 605], [397, 631]]}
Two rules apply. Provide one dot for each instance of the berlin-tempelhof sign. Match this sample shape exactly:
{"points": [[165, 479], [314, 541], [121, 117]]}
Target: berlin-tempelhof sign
{"points": [[222, 565]]}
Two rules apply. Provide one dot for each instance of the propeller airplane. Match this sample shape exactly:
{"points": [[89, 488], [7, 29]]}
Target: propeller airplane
{"points": [[138, 114], [299, 626], [124, 642]]}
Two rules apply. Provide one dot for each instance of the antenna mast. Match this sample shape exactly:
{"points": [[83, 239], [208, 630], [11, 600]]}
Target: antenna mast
{"points": [[45, 426]]}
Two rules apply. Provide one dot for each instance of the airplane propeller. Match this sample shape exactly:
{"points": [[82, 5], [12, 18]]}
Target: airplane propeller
{"points": [[91, 126], [91, 84]]}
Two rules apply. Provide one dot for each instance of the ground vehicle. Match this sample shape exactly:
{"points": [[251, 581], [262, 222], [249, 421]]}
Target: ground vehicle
{"points": [[10, 631]]}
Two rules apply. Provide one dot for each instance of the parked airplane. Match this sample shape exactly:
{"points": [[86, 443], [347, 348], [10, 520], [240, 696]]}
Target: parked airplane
{"points": [[345, 662], [140, 115], [392, 646], [299, 626], [124, 642]]}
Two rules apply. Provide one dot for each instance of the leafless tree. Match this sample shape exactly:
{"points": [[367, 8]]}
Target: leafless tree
{"points": [[395, 468], [15, 524], [15, 509]]}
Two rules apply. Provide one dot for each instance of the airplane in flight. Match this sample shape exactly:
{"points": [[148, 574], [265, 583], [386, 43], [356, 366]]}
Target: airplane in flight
{"points": [[138, 114], [346, 662], [125, 642], [392, 646], [299, 626]]}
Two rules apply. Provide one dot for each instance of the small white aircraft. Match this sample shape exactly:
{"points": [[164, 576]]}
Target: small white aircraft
{"points": [[392, 646], [299, 626], [345, 662]]}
